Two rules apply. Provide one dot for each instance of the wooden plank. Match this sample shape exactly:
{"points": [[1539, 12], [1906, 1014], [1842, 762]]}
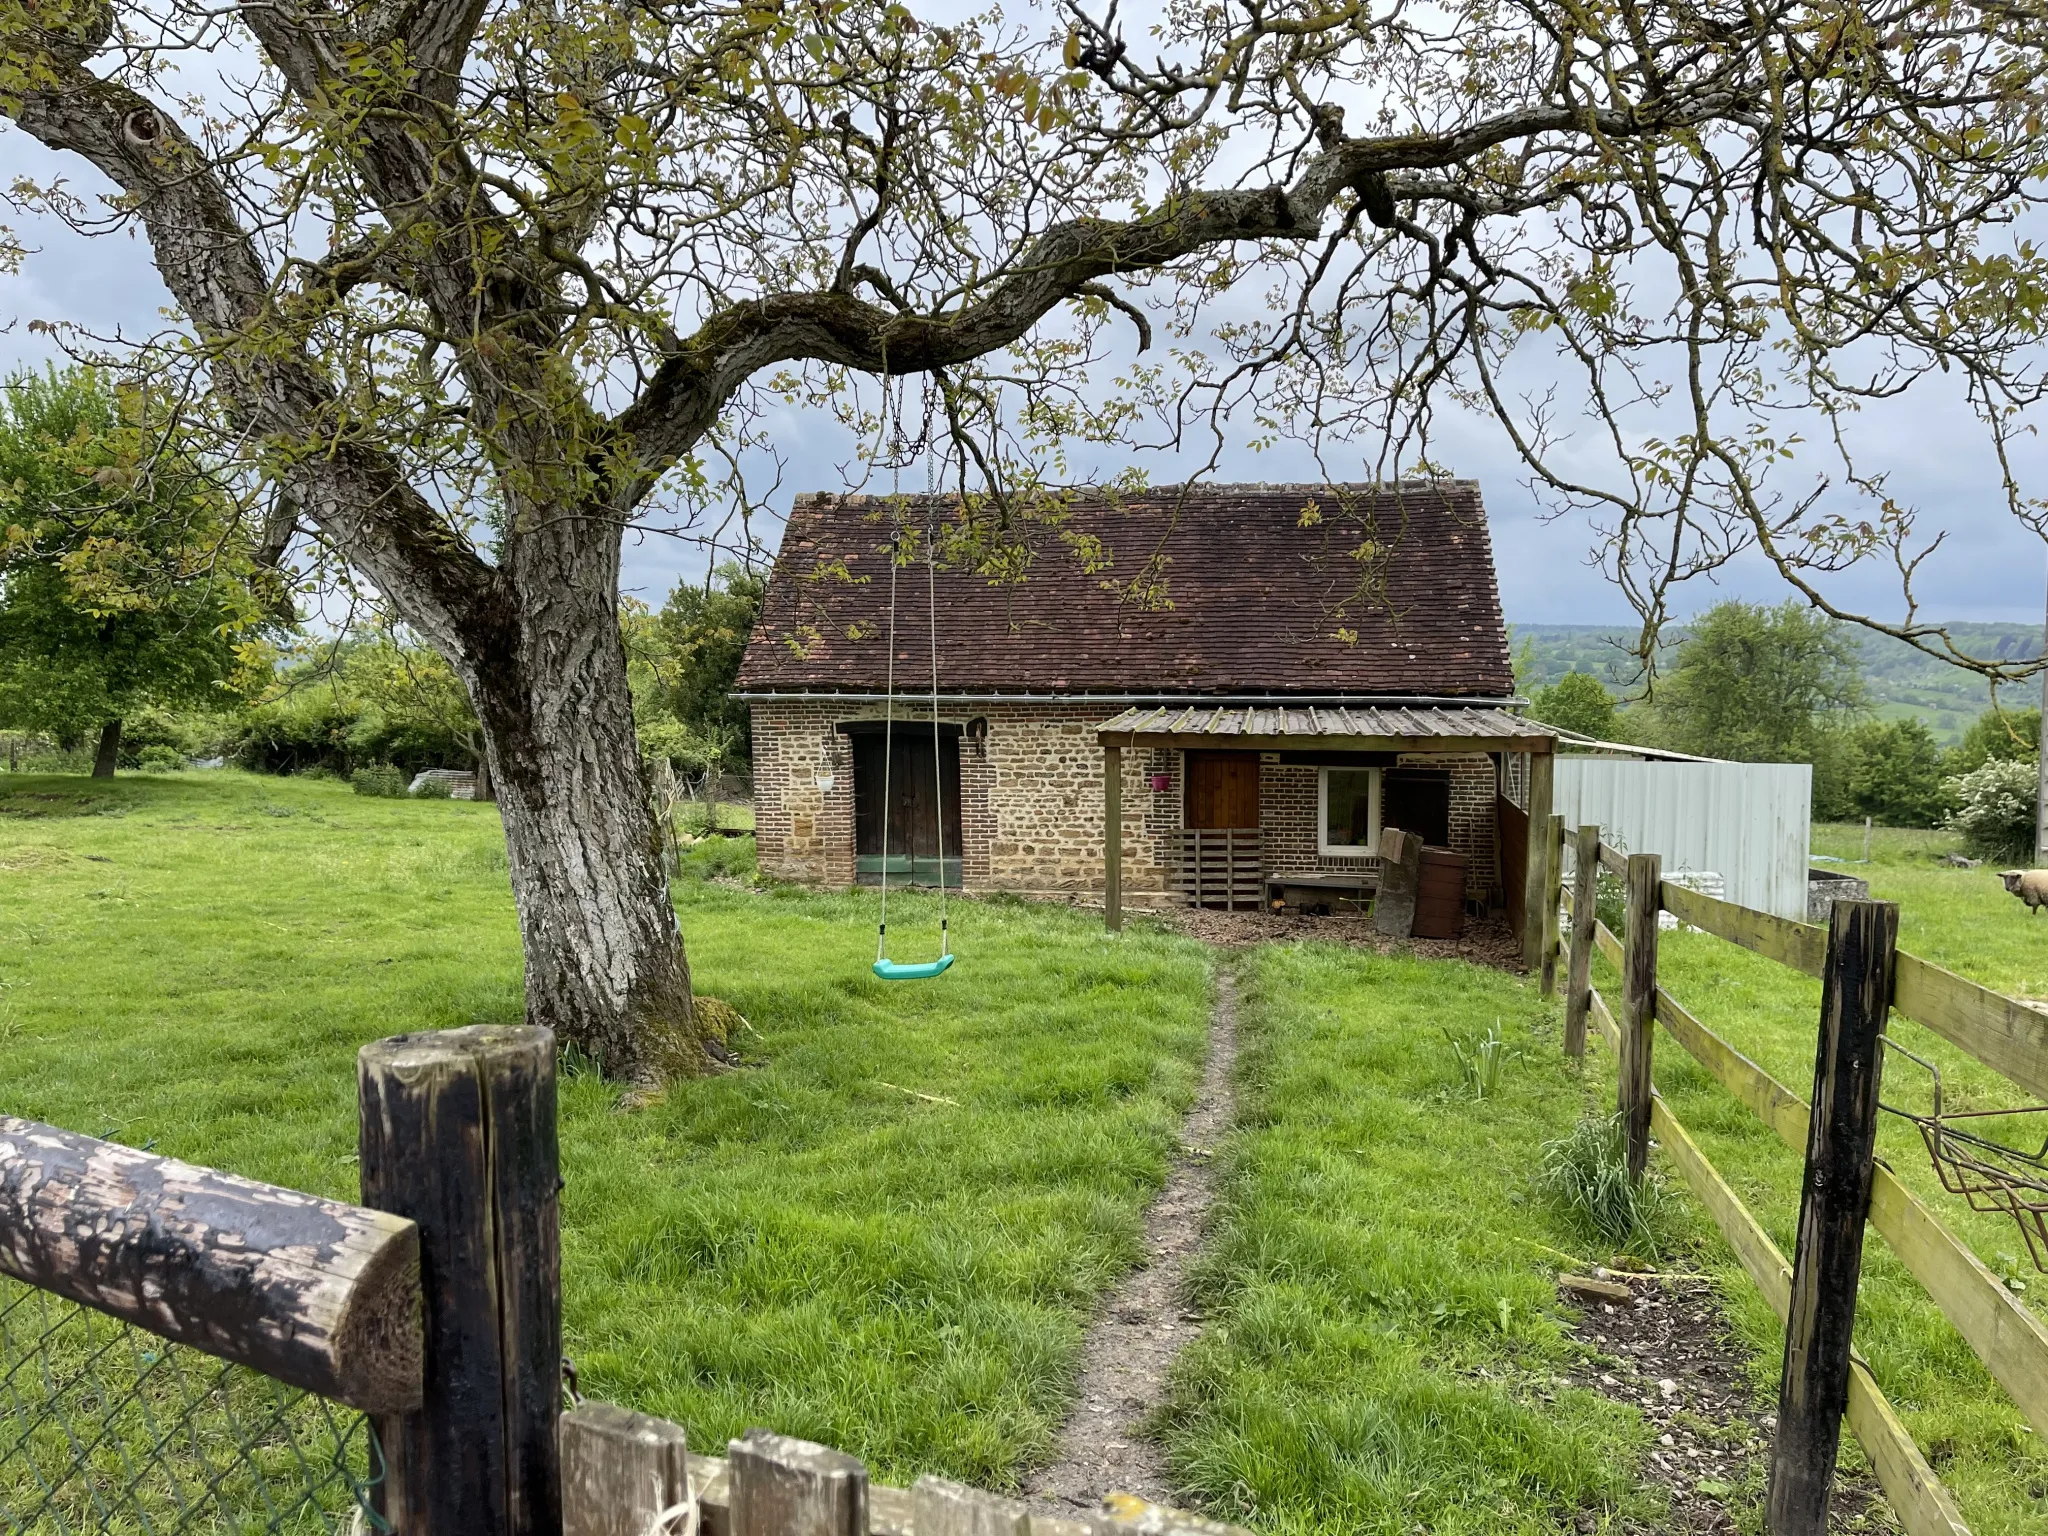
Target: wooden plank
{"points": [[621, 1472], [1113, 838], [782, 1486], [1553, 893], [1834, 1204], [1614, 861], [1638, 1008], [1608, 945], [458, 1134], [1461, 746], [1579, 973], [1923, 1505], [940, 1507], [1536, 877], [1602, 1016], [1799, 945], [1393, 914], [317, 1294], [2005, 1333], [2003, 1034]]}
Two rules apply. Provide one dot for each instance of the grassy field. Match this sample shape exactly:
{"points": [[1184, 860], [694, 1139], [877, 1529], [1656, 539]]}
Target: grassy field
{"points": [[1386, 1344], [1975, 1438], [189, 962]]}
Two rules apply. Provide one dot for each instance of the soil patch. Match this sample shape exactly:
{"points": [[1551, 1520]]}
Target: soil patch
{"points": [[1130, 1348], [1488, 942], [1671, 1355]]}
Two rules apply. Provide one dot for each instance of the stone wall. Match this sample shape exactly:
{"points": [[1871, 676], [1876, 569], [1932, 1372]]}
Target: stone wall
{"points": [[1031, 791]]}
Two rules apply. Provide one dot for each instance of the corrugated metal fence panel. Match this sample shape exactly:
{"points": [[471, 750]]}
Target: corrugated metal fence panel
{"points": [[1748, 821]]}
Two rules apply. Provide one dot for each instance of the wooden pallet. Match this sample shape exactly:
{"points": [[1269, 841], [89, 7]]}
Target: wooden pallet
{"points": [[1221, 867]]}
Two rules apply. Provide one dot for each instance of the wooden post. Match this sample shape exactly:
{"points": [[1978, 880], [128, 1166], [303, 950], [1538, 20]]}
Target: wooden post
{"points": [[458, 1135], [620, 1470], [786, 1487], [1536, 878], [1834, 1202], [1639, 1006], [943, 1508], [1553, 890], [1578, 979], [1113, 838]]}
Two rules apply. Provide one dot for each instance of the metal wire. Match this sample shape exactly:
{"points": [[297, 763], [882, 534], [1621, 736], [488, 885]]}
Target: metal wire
{"points": [[105, 1428]]}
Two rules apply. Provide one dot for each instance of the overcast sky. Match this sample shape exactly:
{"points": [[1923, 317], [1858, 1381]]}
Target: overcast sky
{"points": [[1991, 569]]}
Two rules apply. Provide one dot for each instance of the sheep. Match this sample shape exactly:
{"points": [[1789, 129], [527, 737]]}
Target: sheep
{"points": [[2030, 885]]}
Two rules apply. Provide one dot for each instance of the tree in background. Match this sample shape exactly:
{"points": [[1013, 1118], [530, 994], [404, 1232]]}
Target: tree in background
{"points": [[705, 628], [125, 571], [1889, 770], [1759, 685], [1579, 702], [2007, 735], [382, 699]]}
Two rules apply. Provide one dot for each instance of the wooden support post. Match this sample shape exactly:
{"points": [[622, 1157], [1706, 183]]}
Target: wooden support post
{"points": [[1536, 878], [620, 1471], [1841, 1144], [786, 1487], [1553, 891], [1578, 979], [1639, 1006], [458, 1135], [1113, 838]]}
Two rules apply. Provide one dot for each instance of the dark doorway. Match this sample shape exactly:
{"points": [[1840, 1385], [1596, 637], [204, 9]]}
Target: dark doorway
{"points": [[1418, 800], [915, 799], [1223, 790]]}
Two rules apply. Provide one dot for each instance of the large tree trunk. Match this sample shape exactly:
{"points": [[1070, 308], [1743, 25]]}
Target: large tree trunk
{"points": [[605, 967], [110, 750]]}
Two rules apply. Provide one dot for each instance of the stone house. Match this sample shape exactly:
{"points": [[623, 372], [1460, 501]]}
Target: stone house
{"points": [[1248, 681]]}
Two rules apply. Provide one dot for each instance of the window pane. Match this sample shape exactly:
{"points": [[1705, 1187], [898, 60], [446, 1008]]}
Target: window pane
{"points": [[1347, 818]]}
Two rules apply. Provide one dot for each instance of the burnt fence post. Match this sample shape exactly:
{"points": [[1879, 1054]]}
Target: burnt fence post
{"points": [[458, 1135], [1834, 1202], [1578, 979], [1639, 1006]]}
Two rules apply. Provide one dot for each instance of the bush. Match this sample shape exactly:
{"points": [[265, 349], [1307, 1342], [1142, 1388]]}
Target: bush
{"points": [[1995, 808], [379, 779], [160, 759], [433, 789], [721, 858]]}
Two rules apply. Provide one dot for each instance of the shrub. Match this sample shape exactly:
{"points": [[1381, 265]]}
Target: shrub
{"points": [[160, 759], [1995, 808], [1586, 1174], [434, 789], [379, 779], [721, 858]]}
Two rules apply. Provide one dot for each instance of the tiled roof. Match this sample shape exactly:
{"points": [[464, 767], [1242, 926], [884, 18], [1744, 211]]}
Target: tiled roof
{"points": [[1321, 722], [1264, 591]]}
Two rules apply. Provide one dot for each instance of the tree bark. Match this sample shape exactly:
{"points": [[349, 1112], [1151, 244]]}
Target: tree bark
{"points": [[110, 750], [605, 966]]}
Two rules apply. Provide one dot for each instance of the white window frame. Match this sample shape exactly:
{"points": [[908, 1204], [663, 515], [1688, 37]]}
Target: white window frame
{"points": [[1347, 850]]}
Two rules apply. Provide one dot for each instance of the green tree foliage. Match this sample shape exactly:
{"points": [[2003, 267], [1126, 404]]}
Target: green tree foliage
{"points": [[1578, 702], [1892, 771], [704, 627], [125, 570], [1759, 685], [370, 702], [1998, 736]]}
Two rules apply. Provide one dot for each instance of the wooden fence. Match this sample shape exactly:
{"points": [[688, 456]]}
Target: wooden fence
{"points": [[1864, 978], [435, 1308]]}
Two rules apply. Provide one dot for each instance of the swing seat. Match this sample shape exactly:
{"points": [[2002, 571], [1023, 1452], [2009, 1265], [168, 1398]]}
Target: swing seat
{"points": [[891, 970]]}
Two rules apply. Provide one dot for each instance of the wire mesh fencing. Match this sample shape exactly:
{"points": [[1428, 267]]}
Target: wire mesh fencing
{"points": [[105, 1428]]}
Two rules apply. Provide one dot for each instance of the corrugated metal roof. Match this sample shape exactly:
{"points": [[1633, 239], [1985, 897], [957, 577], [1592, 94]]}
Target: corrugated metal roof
{"points": [[1312, 722]]}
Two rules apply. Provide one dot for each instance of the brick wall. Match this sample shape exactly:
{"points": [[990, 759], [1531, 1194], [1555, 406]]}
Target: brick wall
{"points": [[1031, 793]]}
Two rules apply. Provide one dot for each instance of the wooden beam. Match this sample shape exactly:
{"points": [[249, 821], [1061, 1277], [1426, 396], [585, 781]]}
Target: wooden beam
{"points": [[1579, 972], [1802, 946], [1113, 838], [1614, 861], [787, 1487], [320, 1295], [1639, 1008], [1448, 746], [621, 1471], [1841, 1143], [2006, 1036], [1536, 877], [458, 1134], [1553, 894]]}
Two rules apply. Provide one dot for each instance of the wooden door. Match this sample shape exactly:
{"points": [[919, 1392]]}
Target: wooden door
{"points": [[915, 798], [1223, 789]]}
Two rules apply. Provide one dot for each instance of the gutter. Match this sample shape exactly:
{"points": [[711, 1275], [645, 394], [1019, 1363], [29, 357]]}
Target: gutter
{"points": [[1190, 700]]}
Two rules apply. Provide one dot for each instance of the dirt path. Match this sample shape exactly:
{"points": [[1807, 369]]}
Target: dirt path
{"points": [[1143, 1323]]}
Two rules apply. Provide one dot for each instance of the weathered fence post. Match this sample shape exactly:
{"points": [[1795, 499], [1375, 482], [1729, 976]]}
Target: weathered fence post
{"points": [[1112, 839], [1578, 979], [786, 1487], [458, 1134], [1639, 1006], [1536, 877], [620, 1470], [1553, 892], [1841, 1144]]}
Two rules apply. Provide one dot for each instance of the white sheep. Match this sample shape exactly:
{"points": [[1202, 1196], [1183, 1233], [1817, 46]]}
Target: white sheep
{"points": [[2030, 885]]}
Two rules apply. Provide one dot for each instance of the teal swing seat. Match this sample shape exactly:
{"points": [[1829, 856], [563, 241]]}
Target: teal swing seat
{"points": [[892, 970]]}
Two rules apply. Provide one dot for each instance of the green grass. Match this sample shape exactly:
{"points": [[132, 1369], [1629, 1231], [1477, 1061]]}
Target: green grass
{"points": [[1975, 1438], [1386, 1342], [189, 962]]}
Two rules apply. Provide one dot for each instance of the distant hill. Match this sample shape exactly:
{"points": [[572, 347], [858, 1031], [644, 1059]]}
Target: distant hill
{"points": [[1903, 683]]}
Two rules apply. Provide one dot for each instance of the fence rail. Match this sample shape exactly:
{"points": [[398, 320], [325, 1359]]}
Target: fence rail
{"points": [[2005, 1334]]}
